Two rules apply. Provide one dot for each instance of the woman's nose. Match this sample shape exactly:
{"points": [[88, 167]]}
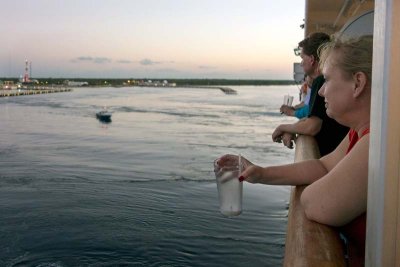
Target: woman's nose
{"points": [[321, 91]]}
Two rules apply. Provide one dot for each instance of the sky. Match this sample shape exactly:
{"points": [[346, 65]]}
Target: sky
{"points": [[227, 39]]}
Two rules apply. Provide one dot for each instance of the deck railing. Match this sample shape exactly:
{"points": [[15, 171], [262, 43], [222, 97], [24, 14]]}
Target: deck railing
{"points": [[309, 243]]}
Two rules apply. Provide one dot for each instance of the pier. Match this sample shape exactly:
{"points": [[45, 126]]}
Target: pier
{"points": [[36, 91]]}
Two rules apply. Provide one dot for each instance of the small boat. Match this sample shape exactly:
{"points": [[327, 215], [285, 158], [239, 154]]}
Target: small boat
{"points": [[104, 116]]}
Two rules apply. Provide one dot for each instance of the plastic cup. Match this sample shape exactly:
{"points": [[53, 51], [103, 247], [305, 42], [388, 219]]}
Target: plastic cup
{"points": [[290, 101], [285, 99], [230, 190]]}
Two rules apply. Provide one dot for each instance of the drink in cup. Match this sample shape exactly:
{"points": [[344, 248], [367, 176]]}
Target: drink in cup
{"points": [[230, 190], [285, 99], [288, 100]]}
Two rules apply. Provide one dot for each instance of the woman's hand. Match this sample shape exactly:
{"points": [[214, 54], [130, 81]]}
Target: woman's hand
{"points": [[250, 173], [287, 110], [230, 162]]}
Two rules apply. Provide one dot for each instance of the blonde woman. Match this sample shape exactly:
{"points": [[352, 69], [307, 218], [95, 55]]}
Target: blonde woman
{"points": [[337, 191]]}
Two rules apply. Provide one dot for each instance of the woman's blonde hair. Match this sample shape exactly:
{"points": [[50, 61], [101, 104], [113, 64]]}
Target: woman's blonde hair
{"points": [[355, 55]]}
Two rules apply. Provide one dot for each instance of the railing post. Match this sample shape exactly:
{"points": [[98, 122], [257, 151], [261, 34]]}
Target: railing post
{"points": [[308, 243]]}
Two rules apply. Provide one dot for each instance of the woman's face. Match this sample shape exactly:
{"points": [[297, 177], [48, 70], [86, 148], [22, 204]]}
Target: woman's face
{"points": [[309, 81], [337, 89]]}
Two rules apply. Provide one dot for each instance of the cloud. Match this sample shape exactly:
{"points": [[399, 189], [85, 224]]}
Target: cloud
{"points": [[124, 61], [84, 58], [101, 60], [148, 62], [97, 60], [206, 67], [168, 70]]}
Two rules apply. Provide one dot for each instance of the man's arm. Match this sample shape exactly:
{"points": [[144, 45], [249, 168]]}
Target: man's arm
{"points": [[309, 126]]}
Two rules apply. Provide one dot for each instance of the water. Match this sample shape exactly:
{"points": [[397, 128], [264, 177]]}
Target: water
{"points": [[139, 191]]}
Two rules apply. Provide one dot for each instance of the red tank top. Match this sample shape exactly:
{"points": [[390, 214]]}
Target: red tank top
{"points": [[353, 138], [355, 231]]}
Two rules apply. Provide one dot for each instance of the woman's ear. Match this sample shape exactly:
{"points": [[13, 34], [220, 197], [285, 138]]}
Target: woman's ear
{"points": [[360, 83]]}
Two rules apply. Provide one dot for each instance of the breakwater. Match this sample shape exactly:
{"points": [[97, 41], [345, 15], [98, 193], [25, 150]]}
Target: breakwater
{"points": [[44, 90], [226, 90]]}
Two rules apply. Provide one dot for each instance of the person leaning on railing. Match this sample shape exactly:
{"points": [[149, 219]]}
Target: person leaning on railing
{"points": [[337, 191], [300, 110], [327, 132]]}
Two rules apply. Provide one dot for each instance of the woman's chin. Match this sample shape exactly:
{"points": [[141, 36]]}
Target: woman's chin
{"points": [[330, 115]]}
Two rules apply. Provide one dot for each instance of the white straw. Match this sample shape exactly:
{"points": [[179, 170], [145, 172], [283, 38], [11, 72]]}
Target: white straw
{"points": [[240, 164]]}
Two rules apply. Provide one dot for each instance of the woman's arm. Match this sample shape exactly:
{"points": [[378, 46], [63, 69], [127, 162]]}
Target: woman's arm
{"points": [[341, 195], [300, 173], [300, 105]]}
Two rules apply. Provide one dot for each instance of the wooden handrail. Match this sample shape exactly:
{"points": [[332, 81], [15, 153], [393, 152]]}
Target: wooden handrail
{"points": [[309, 243]]}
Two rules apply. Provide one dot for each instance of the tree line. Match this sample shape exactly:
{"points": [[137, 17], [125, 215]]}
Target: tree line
{"points": [[178, 82]]}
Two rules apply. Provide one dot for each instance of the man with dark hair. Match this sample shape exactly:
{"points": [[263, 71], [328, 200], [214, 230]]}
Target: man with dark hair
{"points": [[327, 132]]}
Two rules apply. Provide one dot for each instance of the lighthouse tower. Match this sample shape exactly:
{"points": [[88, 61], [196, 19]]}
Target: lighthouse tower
{"points": [[26, 75]]}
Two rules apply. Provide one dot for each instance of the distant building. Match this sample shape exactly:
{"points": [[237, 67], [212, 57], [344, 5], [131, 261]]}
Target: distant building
{"points": [[74, 83], [8, 85], [150, 83]]}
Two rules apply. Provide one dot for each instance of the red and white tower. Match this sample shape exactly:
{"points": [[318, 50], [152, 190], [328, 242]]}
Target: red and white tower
{"points": [[26, 75]]}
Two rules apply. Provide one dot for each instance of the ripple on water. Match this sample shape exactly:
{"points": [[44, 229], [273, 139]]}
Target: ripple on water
{"points": [[139, 191]]}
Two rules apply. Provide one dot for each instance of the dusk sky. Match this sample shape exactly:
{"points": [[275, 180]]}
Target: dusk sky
{"points": [[231, 39]]}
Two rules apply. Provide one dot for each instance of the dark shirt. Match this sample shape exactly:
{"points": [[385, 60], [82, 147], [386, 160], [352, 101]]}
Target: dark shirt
{"points": [[331, 133]]}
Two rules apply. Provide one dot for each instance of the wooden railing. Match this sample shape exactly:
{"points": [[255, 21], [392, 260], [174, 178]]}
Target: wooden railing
{"points": [[309, 243]]}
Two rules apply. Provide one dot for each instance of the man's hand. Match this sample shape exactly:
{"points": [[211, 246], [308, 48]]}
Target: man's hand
{"points": [[288, 140], [280, 135], [277, 134]]}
